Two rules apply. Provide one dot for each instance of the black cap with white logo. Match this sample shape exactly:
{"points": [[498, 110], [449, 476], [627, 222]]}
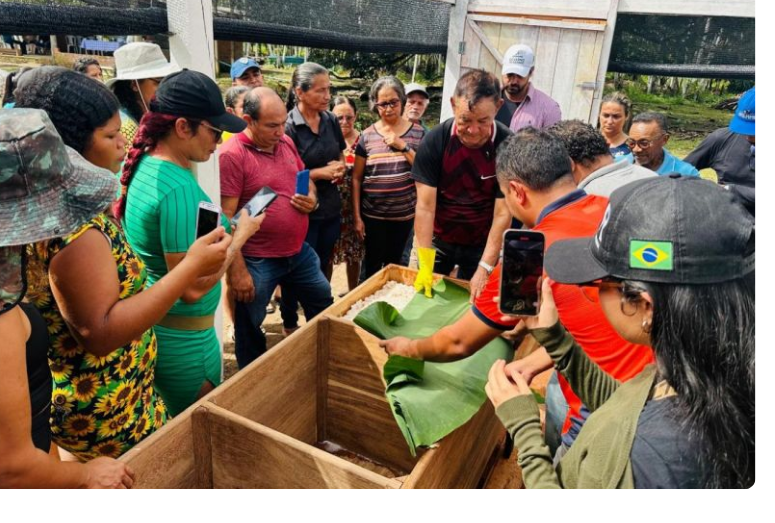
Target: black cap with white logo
{"points": [[666, 229], [195, 95]]}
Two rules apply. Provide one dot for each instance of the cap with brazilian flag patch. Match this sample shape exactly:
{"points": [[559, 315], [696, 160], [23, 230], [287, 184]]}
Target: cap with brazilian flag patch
{"points": [[666, 229]]}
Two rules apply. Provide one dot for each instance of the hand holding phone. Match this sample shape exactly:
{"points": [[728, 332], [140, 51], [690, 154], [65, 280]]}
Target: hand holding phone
{"points": [[208, 217], [302, 182], [257, 205], [521, 272]]}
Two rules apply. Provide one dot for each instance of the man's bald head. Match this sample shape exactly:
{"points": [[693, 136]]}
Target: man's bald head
{"points": [[259, 100], [265, 114]]}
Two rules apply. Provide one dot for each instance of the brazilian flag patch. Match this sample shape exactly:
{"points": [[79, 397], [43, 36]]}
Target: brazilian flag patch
{"points": [[655, 256]]}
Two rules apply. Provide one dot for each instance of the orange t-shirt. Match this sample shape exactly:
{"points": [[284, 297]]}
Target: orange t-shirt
{"points": [[582, 318]]}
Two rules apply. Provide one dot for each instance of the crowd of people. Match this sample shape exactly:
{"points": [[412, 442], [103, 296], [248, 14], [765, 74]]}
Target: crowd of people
{"points": [[102, 174]]}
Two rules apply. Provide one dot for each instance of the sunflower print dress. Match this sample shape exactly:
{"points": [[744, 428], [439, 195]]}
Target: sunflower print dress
{"points": [[101, 406]]}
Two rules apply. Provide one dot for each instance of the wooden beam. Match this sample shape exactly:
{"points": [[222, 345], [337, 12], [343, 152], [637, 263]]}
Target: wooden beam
{"points": [[592, 25], [457, 25], [595, 9], [736, 8], [485, 41], [604, 57], [203, 457]]}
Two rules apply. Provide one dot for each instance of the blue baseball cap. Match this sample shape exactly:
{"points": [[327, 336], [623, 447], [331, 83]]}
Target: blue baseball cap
{"points": [[241, 65], [744, 120]]}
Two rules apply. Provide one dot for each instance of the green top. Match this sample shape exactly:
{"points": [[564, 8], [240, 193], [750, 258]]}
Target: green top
{"points": [[162, 203], [600, 456]]}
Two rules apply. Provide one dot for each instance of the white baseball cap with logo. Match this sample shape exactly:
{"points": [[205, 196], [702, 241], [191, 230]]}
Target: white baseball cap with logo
{"points": [[519, 59]]}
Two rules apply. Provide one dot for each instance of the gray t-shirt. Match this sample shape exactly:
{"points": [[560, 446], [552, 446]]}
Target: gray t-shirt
{"points": [[607, 179]]}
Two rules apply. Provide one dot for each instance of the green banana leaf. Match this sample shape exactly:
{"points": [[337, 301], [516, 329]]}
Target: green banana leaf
{"points": [[430, 400]]}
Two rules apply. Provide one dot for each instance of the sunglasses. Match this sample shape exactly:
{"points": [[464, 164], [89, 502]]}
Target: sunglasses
{"points": [[643, 144], [392, 104], [345, 118], [217, 132]]}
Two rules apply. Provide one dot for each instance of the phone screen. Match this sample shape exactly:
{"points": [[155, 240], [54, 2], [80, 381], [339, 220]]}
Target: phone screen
{"points": [[257, 204], [260, 201], [523, 266], [206, 222]]}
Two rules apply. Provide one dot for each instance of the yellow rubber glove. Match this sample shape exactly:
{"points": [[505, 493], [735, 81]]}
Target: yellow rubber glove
{"points": [[424, 280]]}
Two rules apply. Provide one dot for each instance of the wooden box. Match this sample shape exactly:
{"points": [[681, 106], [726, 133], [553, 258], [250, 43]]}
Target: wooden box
{"points": [[312, 413]]}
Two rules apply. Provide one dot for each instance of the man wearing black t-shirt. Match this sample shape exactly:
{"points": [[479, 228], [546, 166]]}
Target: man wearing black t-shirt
{"points": [[461, 214]]}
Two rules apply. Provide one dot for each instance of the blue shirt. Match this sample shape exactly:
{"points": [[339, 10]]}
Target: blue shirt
{"points": [[670, 164]]}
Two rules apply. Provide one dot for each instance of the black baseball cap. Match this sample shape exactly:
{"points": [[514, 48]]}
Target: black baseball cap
{"points": [[195, 95], [664, 229]]}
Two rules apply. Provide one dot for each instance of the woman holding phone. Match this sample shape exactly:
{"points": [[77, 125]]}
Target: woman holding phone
{"points": [[103, 346], [681, 282], [159, 206], [48, 207]]}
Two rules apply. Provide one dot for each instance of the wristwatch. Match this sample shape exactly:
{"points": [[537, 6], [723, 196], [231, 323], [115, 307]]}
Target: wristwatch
{"points": [[317, 206], [406, 148], [486, 266]]}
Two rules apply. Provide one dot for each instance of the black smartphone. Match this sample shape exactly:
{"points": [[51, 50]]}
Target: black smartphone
{"points": [[257, 204], [521, 271], [207, 218]]}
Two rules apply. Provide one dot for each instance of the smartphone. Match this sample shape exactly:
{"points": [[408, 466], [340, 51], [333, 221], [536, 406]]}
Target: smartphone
{"points": [[257, 204], [302, 182], [521, 271], [208, 217]]}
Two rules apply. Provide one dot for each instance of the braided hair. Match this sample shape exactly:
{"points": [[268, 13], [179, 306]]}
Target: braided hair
{"points": [[76, 104], [154, 127]]}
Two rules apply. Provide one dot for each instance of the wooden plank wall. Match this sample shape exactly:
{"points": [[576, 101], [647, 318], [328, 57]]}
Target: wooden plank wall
{"points": [[358, 416], [166, 458], [461, 458], [566, 57], [279, 389], [246, 454]]}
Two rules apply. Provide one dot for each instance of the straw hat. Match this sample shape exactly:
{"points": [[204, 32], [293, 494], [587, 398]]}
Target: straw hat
{"points": [[140, 60]]}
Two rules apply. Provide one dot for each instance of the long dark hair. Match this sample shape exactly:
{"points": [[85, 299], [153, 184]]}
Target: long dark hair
{"points": [[153, 128], [703, 340], [129, 99]]}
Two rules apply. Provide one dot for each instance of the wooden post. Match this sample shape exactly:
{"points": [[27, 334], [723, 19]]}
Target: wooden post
{"points": [[602, 67], [457, 24], [191, 46]]}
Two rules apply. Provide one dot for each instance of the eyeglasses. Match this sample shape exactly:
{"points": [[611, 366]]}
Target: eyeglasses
{"points": [[345, 118], [643, 144], [392, 104], [592, 290], [216, 132]]}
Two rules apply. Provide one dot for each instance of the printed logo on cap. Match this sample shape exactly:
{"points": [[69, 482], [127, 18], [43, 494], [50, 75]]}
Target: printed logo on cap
{"points": [[243, 60], [656, 256], [749, 116], [518, 59]]}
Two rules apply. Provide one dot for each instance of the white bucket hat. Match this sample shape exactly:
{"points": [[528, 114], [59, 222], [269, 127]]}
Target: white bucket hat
{"points": [[140, 60]]}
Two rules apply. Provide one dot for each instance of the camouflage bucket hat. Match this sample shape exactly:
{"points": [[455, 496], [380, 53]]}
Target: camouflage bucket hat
{"points": [[47, 190]]}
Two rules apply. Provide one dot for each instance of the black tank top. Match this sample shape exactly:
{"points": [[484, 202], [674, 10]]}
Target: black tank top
{"points": [[39, 378]]}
